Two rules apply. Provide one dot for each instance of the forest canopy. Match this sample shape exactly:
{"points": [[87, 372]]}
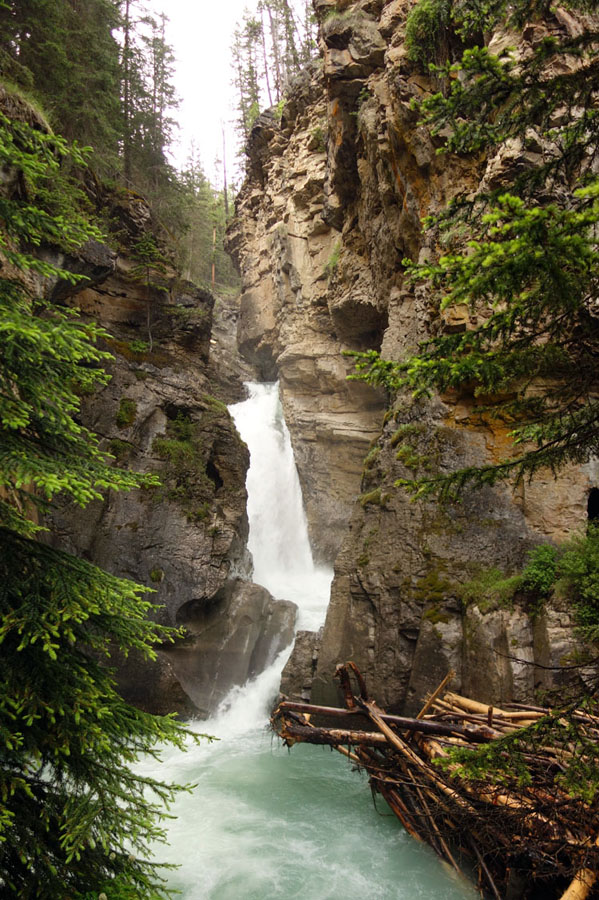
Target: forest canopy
{"points": [[269, 48]]}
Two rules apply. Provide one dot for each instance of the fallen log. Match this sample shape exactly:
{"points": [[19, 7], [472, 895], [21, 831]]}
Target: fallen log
{"points": [[309, 734], [481, 734], [582, 884]]}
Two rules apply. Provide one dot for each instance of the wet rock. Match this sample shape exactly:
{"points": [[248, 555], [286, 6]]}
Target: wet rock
{"points": [[232, 638], [187, 539], [296, 679]]}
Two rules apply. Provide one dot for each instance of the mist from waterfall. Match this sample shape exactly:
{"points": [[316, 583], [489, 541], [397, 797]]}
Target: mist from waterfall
{"points": [[263, 823]]}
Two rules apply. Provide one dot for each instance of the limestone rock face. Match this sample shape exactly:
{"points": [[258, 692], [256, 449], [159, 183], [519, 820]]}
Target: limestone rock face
{"points": [[299, 672], [234, 637], [333, 203]]}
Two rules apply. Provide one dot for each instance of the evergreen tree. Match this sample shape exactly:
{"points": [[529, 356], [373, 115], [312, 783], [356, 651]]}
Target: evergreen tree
{"points": [[74, 816], [65, 51], [206, 216], [264, 59], [116, 95], [522, 257], [153, 124], [246, 51], [148, 102], [127, 70], [292, 36]]}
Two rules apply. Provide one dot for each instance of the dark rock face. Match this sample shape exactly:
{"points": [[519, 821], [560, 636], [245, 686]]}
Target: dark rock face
{"points": [[396, 605], [232, 638], [332, 205], [298, 674]]}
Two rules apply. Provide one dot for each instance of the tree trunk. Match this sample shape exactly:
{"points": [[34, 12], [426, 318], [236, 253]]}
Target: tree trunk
{"points": [[127, 94], [225, 186], [276, 53]]}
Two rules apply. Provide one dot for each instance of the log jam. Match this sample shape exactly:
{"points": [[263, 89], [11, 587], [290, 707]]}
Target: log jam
{"points": [[489, 789]]}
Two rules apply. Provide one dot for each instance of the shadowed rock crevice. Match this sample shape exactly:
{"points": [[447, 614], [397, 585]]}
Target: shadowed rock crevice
{"points": [[231, 637]]}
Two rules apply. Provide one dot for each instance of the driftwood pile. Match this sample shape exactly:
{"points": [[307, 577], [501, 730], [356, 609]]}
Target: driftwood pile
{"points": [[524, 835]]}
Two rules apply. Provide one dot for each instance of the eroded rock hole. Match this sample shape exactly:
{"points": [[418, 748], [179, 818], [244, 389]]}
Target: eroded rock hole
{"points": [[213, 474], [593, 505]]}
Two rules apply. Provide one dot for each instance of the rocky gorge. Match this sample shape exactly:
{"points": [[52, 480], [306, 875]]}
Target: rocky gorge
{"points": [[164, 411], [337, 186], [333, 203]]}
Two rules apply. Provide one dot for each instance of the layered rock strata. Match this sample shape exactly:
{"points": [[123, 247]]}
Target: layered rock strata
{"points": [[333, 203], [290, 257]]}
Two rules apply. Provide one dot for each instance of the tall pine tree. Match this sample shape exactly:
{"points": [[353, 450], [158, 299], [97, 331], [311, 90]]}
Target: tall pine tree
{"points": [[74, 816], [66, 52]]}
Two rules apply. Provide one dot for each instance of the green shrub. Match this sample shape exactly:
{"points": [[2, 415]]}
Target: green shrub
{"points": [[127, 413], [578, 571], [372, 457], [374, 498], [364, 95], [333, 260], [139, 346], [409, 429], [214, 404], [490, 589], [318, 141], [435, 615], [572, 569], [278, 109], [427, 28], [184, 475], [119, 449], [539, 574], [411, 459]]}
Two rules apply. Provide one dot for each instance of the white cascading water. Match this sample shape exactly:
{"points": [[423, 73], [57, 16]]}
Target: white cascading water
{"points": [[264, 823], [278, 539]]}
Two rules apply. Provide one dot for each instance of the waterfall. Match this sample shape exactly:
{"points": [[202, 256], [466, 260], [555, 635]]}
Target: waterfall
{"points": [[278, 540], [263, 823]]}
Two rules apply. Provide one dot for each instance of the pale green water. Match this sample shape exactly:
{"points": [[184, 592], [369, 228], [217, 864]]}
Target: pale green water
{"points": [[266, 823]]}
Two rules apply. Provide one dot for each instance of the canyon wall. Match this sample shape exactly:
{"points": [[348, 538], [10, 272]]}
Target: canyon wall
{"points": [[164, 411], [333, 202]]}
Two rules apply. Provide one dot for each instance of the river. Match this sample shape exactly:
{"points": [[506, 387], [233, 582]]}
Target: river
{"points": [[262, 822]]}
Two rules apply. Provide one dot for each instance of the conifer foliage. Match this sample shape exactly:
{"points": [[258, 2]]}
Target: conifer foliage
{"points": [[270, 47], [521, 255], [74, 816], [103, 72], [66, 53]]}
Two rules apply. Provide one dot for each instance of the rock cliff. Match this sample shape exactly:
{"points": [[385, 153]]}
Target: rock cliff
{"points": [[290, 259], [333, 202], [163, 412]]}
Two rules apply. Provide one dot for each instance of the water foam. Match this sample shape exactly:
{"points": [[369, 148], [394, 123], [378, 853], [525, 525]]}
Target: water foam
{"points": [[278, 539]]}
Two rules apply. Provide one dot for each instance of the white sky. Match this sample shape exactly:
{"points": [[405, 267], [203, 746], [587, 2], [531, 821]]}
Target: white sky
{"points": [[201, 34]]}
